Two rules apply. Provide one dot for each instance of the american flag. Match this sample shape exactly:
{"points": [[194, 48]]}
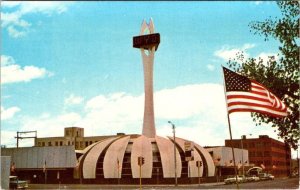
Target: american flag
{"points": [[245, 95]]}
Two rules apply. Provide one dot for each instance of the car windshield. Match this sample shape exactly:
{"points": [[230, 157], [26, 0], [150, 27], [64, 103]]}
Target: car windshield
{"points": [[13, 177]]}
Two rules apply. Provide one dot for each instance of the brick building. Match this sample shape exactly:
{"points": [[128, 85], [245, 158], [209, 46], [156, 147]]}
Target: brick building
{"points": [[72, 136], [270, 154]]}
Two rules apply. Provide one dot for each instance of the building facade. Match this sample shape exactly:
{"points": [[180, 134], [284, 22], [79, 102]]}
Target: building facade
{"points": [[72, 136], [270, 154], [42, 164], [223, 160]]}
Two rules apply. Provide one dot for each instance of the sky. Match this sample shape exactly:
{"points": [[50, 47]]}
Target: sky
{"points": [[69, 64]]}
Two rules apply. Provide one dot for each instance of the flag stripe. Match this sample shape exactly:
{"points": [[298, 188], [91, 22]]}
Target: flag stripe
{"points": [[249, 105], [247, 109]]}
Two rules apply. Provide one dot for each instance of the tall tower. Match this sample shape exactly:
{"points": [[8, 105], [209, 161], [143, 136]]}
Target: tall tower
{"points": [[148, 44]]}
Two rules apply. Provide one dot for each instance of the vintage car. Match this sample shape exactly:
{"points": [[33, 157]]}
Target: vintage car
{"points": [[240, 179], [15, 183], [252, 178], [265, 176]]}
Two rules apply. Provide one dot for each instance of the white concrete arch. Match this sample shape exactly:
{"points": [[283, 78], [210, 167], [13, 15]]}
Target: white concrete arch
{"points": [[142, 147], [114, 158], [166, 150], [193, 169], [90, 161], [208, 159]]}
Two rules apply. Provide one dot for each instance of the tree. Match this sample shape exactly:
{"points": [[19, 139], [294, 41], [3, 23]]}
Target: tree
{"points": [[281, 75]]}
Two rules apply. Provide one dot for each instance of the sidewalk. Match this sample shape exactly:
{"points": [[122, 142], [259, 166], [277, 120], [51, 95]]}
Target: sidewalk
{"points": [[213, 184], [122, 186]]}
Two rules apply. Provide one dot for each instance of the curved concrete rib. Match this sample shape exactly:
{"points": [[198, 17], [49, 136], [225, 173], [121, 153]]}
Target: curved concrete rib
{"points": [[166, 150], [112, 163], [209, 160], [193, 169], [142, 147], [90, 161]]}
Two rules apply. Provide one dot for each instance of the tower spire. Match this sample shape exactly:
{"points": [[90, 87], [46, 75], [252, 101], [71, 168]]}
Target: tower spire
{"points": [[148, 42]]}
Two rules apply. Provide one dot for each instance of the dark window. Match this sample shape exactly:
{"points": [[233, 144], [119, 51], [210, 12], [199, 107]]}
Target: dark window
{"points": [[43, 143], [258, 154], [56, 143], [60, 143], [49, 144], [266, 153]]}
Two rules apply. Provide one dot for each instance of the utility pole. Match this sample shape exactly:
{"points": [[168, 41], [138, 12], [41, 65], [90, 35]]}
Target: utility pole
{"points": [[173, 127], [25, 132]]}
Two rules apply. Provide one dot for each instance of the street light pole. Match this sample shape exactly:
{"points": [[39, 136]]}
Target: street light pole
{"points": [[242, 155], [173, 127], [242, 146]]}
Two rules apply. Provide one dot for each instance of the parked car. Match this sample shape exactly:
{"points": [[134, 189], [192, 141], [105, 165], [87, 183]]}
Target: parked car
{"points": [[252, 178], [15, 183], [232, 179], [265, 176]]}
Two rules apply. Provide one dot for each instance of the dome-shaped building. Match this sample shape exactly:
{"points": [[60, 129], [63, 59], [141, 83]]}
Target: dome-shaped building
{"points": [[116, 158]]}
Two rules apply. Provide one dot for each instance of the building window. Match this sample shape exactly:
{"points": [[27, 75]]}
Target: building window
{"points": [[43, 143], [60, 143], [56, 143], [91, 142], [39, 143], [258, 145], [69, 143], [49, 143], [86, 143], [266, 153], [252, 154], [258, 154]]}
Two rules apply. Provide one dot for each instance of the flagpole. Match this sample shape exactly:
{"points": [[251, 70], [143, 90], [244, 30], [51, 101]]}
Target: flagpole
{"points": [[229, 126], [232, 149]]}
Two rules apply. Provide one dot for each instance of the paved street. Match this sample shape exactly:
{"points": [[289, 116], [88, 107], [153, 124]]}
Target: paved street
{"points": [[288, 183]]}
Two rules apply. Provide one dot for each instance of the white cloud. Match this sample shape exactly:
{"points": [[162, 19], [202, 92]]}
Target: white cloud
{"points": [[258, 2], [10, 4], [7, 60], [14, 19], [73, 100], [68, 118], [8, 138], [15, 33], [9, 112], [47, 125], [227, 53], [265, 57], [198, 111], [12, 73], [210, 67]]}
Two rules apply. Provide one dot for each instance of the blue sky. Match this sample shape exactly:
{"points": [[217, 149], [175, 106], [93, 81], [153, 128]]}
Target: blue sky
{"points": [[72, 64]]}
